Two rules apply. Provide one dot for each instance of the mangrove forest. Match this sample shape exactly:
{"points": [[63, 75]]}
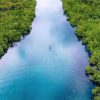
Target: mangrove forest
{"points": [[16, 17]]}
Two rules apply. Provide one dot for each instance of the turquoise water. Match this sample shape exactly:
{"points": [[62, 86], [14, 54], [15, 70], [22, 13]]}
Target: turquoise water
{"points": [[48, 64]]}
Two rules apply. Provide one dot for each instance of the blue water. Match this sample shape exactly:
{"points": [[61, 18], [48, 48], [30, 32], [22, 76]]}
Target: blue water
{"points": [[48, 64]]}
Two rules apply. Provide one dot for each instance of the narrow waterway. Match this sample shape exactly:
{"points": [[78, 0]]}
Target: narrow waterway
{"points": [[49, 63]]}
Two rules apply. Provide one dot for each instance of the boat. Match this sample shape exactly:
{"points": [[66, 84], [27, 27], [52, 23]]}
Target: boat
{"points": [[50, 47]]}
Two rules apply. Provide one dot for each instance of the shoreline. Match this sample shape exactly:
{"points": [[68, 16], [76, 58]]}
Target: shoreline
{"points": [[90, 70], [23, 31]]}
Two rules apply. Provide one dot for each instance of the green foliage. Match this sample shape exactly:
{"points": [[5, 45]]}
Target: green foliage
{"points": [[96, 93], [15, 20], [90, 70], [85, 15], [97, 97]]}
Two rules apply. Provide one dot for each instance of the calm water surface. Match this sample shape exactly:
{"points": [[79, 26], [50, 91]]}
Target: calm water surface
{"points": [[49, 63]]}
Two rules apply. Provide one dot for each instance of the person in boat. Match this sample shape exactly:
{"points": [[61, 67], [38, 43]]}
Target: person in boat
{"points": [[50, 47]]}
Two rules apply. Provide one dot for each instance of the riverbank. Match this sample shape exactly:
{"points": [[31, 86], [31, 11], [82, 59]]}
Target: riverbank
{"points": [[15, 21], [85, 15]]}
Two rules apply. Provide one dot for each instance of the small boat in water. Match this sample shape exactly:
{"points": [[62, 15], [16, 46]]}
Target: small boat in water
{"points": [[50, 47]]}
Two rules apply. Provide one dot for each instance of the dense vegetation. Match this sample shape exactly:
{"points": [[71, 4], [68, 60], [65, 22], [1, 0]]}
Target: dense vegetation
{"points": [[85, 15], [15, 20]]}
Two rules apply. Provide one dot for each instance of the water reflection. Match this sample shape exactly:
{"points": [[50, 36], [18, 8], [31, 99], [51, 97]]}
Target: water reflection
{"points": [[49, 63]]}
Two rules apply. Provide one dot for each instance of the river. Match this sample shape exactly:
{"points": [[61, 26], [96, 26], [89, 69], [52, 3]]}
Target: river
{"points": [[49, 63]]}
